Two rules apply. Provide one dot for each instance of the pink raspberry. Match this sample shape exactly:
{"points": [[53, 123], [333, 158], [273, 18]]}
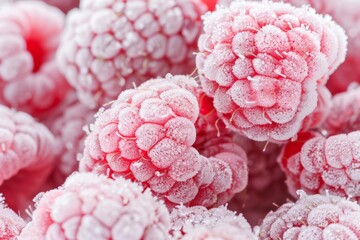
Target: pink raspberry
{"points": [[216, 223], [317, 164], [148, 134], [29, 78], [10, 223], [88, 206], [69, 126], [314, 217], [26, 157], [262, 62], [344, 116], [109, 46]]}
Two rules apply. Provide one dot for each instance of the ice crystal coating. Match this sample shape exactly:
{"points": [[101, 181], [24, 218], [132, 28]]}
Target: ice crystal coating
{"points": [[314, 217], [26, 157], [29, 78], [109, 46], [10, 223], [148, 134], [318, 165], [88, 206], [262, 62], [216, 223]]}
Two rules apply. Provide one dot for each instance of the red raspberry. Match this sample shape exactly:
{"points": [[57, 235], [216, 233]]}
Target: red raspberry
{"points": [[108, 46], [29, 78], [26, 157], [148, 135], [317, 164], [344, 116], [88, 206], [313, 217], [262, 62], [10, 223], [216, 223]]}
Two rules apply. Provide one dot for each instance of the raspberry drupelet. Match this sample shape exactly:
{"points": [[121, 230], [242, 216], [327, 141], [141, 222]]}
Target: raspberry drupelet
{"points": [[26, 157], [262, 63], [88, 206], [29, 78], [148, 135], [314, 217], [110, 45], [317, 164]]}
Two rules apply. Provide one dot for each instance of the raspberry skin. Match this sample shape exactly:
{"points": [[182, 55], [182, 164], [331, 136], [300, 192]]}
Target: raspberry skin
{"points": [[88, 206], [10, 223], [148, 135], [109, 46], [344, 115], [314, 217], [201, 223], [262, 62], [26, 157], [29, 78], [317, 164]]}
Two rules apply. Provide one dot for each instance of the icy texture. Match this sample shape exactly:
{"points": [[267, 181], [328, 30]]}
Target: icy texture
{"points": [[217, 223], [262, 62], [10, 223], [344, 116], [148, 134], [89, 207], [110, 45], [315, 217], [29, 78], [26, 157], [319, 165]]}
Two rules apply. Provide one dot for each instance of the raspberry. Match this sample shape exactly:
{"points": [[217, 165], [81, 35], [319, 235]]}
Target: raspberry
{"points": [[262, 62], [108, 46], [10, 223], [317, 164], [29, 78], [68, 126], [148, 134], [344, 116], [88, 206], [26, 157], [313, 217], [201, 223]]}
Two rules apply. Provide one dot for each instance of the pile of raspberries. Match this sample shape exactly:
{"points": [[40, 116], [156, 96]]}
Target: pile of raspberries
{"points": [[179, 120]]}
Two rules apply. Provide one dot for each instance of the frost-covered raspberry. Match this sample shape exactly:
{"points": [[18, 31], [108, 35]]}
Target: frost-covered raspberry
{"points": [[216, 223], [344, 116], [88, 206], [315, 217], [317, 164], [148, 134], [69, 126], [110, 45], [266, 186], [10, 223], [26, 157], [29, 78], [262, 62]]}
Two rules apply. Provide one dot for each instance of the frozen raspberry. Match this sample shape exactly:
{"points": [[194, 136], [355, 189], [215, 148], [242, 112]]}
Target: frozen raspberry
{"points": [[262, 62], [29, 78], [148, 134], [68, 126], [26, 157], [266, 187], [109, 46], [10, 223], [344, 116], [88, 206], [315, 217], [317, 164], [216, 223]]}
